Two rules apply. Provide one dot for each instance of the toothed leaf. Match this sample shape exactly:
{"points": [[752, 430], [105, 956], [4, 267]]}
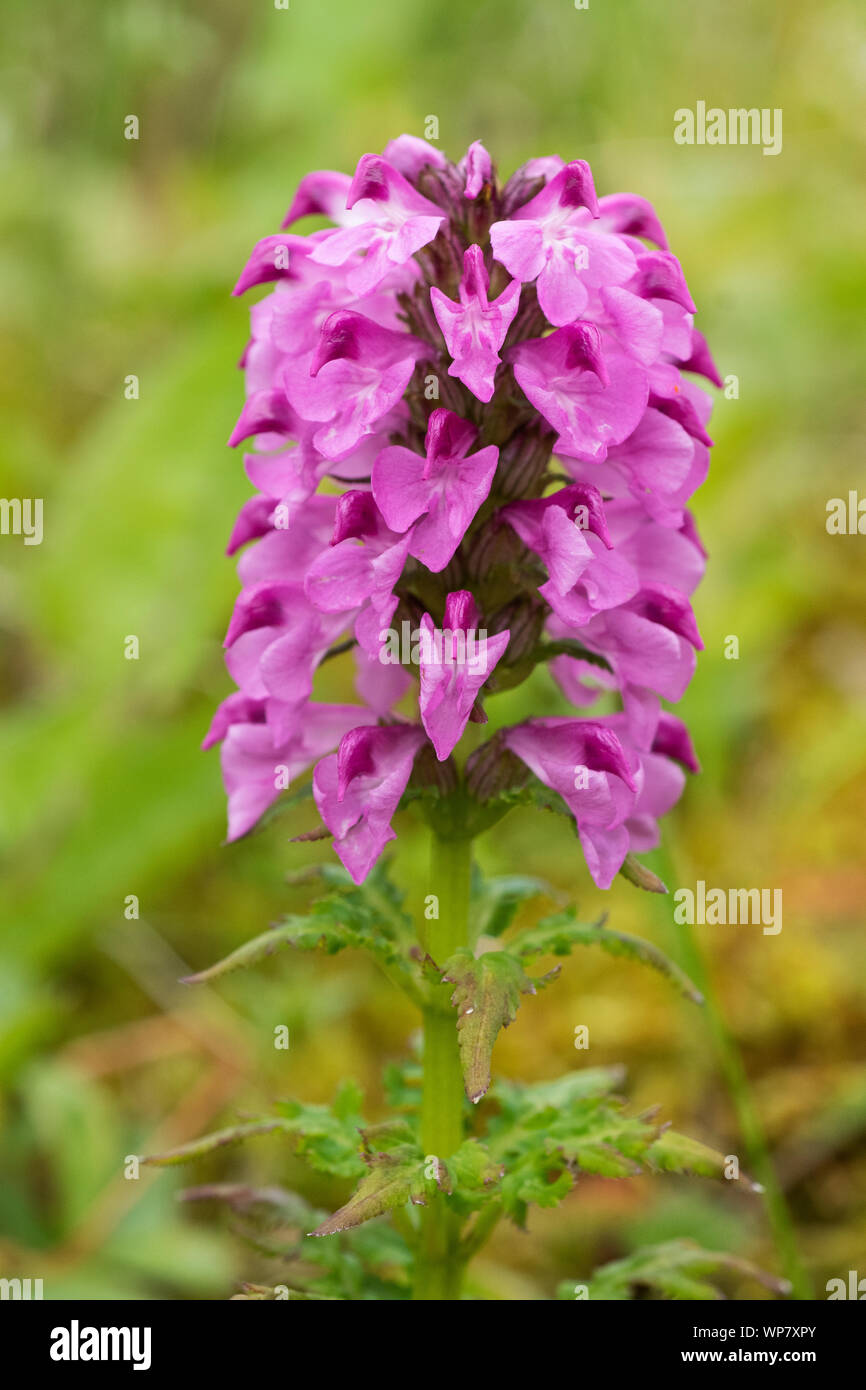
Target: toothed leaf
{"points": [[368, 918], [209, 1143], [391, 1180], [677, 1269], [677, 1153], [559, 934], [486, 994]]}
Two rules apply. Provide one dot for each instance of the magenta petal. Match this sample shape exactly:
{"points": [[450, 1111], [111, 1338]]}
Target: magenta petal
{"points": [[409, 155], [564, 374], [271, 260], [587, 765], [604, 851], [631, 215], [254, 520], [325, 192], [400, 488], [267, 412], [256, 769], [358, 790], [477, 167], [475, 330], [455, 663]]}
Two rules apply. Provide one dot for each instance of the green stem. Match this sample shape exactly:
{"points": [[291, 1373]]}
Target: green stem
{"points": [[439, 1262]]}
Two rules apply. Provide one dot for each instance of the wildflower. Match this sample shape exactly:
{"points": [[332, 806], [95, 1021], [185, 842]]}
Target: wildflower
{"points": [[470, 412]]}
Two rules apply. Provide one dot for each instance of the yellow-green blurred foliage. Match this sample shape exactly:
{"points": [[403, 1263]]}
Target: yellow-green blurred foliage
{"points": [[117, 259]]}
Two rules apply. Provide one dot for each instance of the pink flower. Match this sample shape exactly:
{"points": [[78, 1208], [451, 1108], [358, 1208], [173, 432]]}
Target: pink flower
{"points": [[437, 495], [593, 399], [455, 663], [659, 464], [475, 330], [276, 639], [256, 767], [660, 781], [357, 791], [363, 563], [649, 640], [568, 532], [410, 156], [357, 375], [552, 240], [325, 191], [394, 221], [586, 764]]}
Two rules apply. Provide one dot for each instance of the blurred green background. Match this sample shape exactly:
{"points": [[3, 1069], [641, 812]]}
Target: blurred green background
{"points": [[117, 258]]}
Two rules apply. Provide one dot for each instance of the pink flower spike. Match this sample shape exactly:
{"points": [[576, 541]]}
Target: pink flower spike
{"points": [[394, 222], [454, 665], [475, 330], [357, 790], [440, 493], [361, 536]]}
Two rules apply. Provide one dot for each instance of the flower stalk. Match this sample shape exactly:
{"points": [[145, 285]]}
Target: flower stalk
{"points": [[439, 1260]]}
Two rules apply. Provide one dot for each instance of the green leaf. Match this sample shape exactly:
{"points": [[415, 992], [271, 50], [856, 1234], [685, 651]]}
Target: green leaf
{"points": [[402, 1082], [604, 1140], [472, 1171], [288, 933], [559, 934], [487, 996], [496, 900], [546, 1135], [519, 1102], [348, 1102], [678, 1269], [329, 1142], [366, 918], [392, 1179], [677, 1153], [371, 1262], [209, 1143]]}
